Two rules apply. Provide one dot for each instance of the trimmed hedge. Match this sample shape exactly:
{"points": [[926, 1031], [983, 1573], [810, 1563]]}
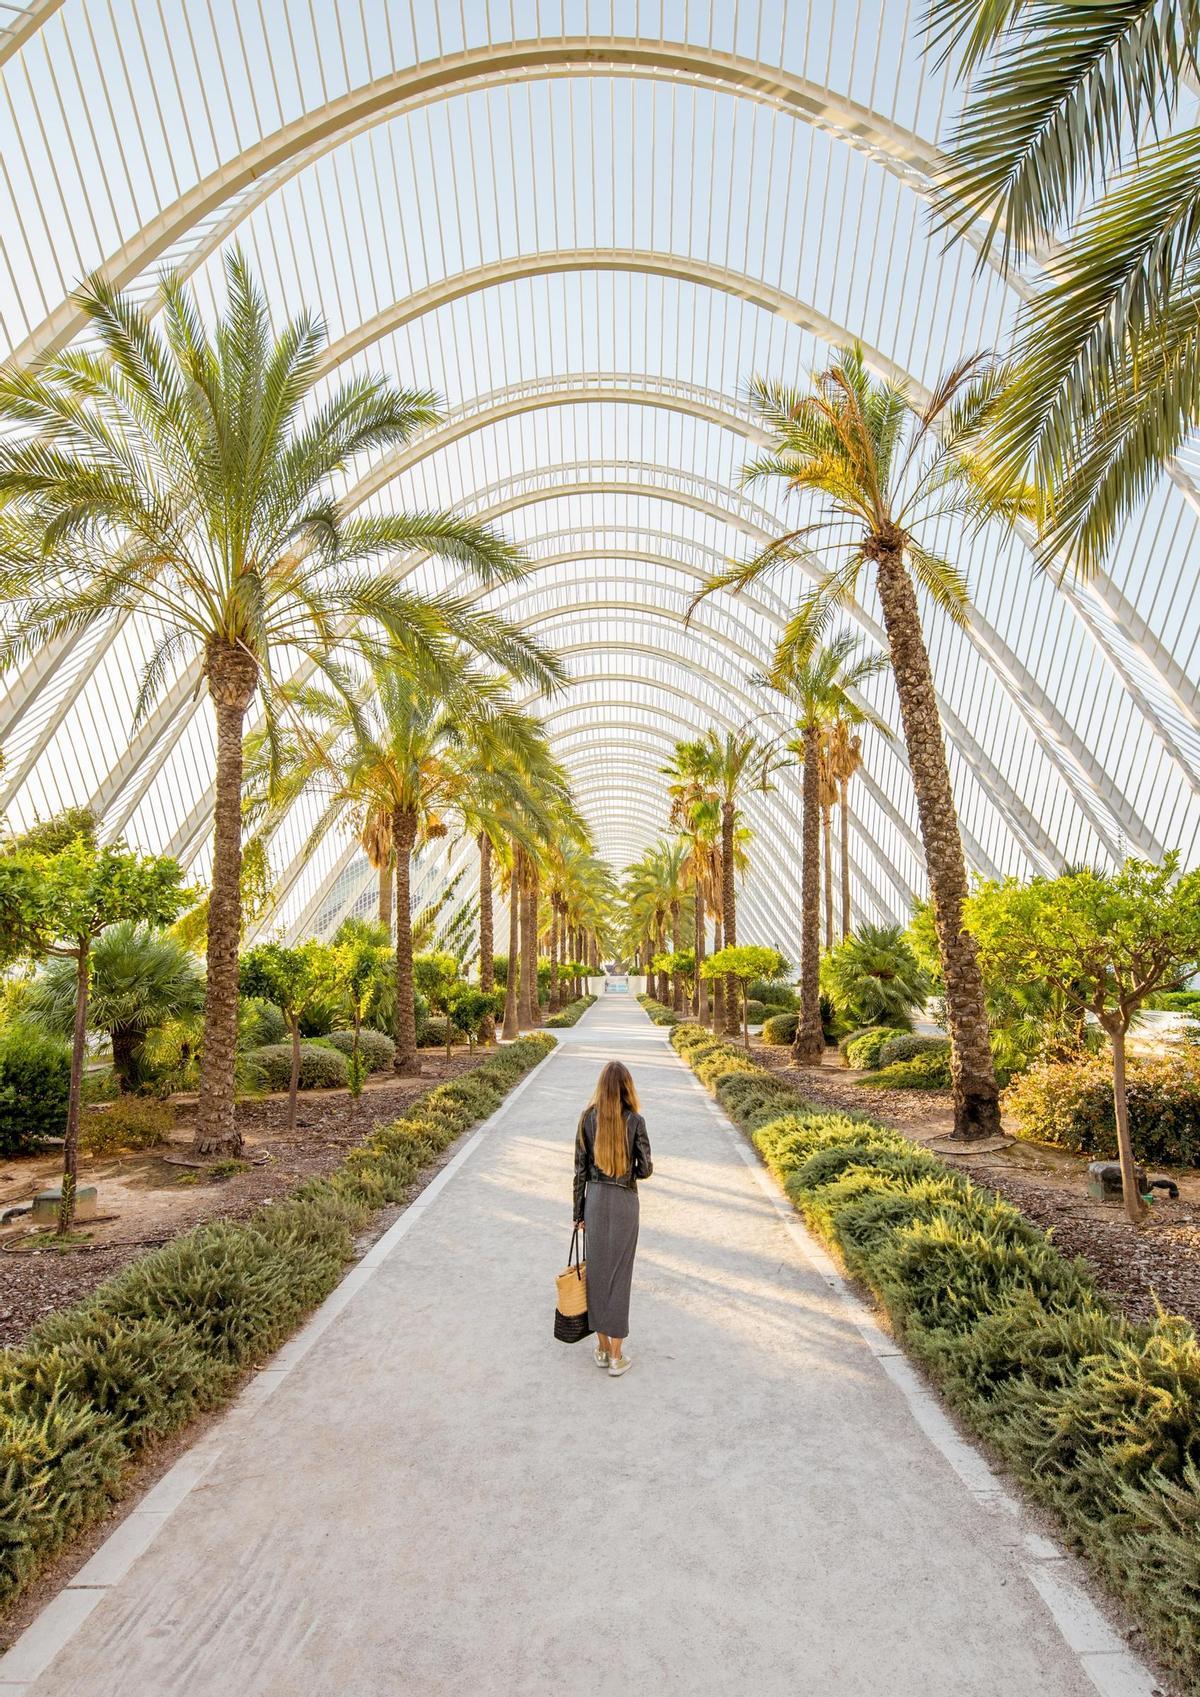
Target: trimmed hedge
{"points": [[927, 1071], [659, 1012], [321, 1068], [862, 1049], [170, 1335], [780, 1030], [774, 993], [906, 1046], [375, 1049], [1098, 1415], [571, 1014], [1070, 1104]]}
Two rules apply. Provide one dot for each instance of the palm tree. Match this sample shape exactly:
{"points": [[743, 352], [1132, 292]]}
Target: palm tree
{"points": [[738, 762], [1068, 148], [845, 759], [874, 466], [821, 684], [828, 795], [187, 478], [695, 812], [376, 839]]}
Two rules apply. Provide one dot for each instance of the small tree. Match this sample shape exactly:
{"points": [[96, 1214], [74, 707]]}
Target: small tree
{"points": [[293, 979], [469, 1007], [741, 965], [54, 905], [680, 964], [1104, 943], [357, 966], [436, 976]]}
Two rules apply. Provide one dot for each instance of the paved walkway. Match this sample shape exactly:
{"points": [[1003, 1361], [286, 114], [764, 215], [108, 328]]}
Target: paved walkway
{"points": [[437, 1498]]}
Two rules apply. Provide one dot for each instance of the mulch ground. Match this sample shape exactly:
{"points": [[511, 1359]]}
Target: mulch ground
{"points": [[148, 1198], [1138, 1267]]}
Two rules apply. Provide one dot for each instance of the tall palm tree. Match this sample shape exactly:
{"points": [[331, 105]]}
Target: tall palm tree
{"points": [[695, 812], [186, 477], [1069, 148], [738, 763], [376, 839], [875, 471], [845, 759], [827, 797], [822, 685]]}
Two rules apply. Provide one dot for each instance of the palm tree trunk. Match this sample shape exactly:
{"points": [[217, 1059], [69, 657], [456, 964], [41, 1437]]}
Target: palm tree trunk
{"points": [[845, 821], [385, 896], [809, 1045], [718, 984], [555, 1001], [676, 945], [406, 1061], [827, 833], [729, 910], [976, 1096], [127, 1042], [700, 996], [527, 991], [232, 676], [662, 989], [487, 973], [535, 993], [70, 1178], [511, 1028]]}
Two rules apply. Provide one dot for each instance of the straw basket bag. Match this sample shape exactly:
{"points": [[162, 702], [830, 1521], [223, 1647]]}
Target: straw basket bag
{"points": [[570, 1311]]}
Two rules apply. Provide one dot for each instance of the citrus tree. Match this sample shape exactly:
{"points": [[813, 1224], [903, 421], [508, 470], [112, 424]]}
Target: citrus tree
{"points": [[741, 964], [295, 980]]}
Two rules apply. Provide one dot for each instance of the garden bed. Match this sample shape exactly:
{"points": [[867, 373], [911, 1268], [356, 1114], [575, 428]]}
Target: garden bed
{"points": [[155, 1200], [1136, 1267]]}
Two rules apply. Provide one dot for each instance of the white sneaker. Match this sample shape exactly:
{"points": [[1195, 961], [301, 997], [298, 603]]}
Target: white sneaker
{"points": [[622, 1364], [600, 1356]]}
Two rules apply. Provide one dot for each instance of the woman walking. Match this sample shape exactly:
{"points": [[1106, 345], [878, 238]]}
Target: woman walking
{"points": [[612, 1152]]}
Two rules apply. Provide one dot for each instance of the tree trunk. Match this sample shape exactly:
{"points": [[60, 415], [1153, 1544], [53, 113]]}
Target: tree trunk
{"points": [[555, 998], [487, 971], [718, 984], [535, 989], [700, 998], [385, 897], [511, 1027], [809, 1044], [676, 944], [232, 676], [294, 1080], [662, 987], [127, 1042], [729, 911], [407, 1060], [827, 834], [1135, 1208], [524, 993], [845, 823], [70, 1176], [976, 1095]]}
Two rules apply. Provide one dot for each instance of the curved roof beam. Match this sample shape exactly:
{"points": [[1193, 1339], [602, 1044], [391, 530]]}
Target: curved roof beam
{"points": [[25, 25]]}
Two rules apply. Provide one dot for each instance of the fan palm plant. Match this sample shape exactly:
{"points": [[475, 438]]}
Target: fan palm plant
{"points": [[185, 477], [822, 685], [877, 474], [1070, 134]]}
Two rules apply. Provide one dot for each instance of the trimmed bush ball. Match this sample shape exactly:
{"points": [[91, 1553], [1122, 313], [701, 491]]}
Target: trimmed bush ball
{"points": [[35, 1081], [780, 1030], [756, 1012], [432, 1034], [907, 1046], [930, 1070], [862, 1049], [375, 1049], [774, 993], [321, 1067]]}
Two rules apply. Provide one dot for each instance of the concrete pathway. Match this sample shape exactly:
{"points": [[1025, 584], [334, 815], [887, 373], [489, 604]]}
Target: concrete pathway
{"points": [[428, 1494]]}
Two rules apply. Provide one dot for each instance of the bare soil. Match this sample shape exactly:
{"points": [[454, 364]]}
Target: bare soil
{"points": [[1138, 1267], [149, 1197]]}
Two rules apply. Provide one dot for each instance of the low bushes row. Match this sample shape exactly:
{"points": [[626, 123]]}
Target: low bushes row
{"points": [[927, 1070], [170, 1335], [1098, 1415], [898, 1060], [571, 1014], [659, 1012], [1070, 1104]]}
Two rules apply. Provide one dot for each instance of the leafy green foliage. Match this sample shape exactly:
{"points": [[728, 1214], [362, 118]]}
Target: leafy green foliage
{"points": [[169, 1336], [469, 1007], [927, 1070], [260, 1022], [905, 1045], [375, 1047], [773, 993], [779, 1030], [131, 1122], [35, 1083], [874, 977], [864, 1049], [658, 1011], [1070, 1104], [1098, 1416], [321, 1067], [571, 1014]]}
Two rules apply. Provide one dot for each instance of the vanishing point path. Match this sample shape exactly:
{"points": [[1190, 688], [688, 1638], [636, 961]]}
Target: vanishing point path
{"points": [[426, 1494]]}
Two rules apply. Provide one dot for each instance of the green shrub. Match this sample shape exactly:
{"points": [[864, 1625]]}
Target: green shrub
{"points": [[571, 1014], [321, 1067], [377, 1050], [35, 1081], [927, 1071], [1178, 1001], [687, 1036], [260, 1022], [773, 993], [432, 1034], [862, 1049], [131, 1122], [780, 1030], [658, 1011], [1070, 1104], [907, 1045]]}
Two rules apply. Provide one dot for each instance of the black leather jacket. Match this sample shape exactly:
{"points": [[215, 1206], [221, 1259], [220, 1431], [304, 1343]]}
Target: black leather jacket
{"points": [[586, 1170]]}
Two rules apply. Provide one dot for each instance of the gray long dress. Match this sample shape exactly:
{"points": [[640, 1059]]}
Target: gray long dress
{"points": [[611, 1213]]}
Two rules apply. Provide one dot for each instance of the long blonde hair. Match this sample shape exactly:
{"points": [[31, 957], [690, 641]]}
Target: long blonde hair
{"points": [[614, 1096]]}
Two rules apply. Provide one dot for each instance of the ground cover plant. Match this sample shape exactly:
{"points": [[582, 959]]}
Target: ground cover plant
{"points": [[91, 1387], [658, 1011], [1098, 1415], [571, 1014]]}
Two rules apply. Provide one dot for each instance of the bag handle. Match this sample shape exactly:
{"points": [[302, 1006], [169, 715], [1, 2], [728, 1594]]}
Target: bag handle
{"points": [[573, 1257]]}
